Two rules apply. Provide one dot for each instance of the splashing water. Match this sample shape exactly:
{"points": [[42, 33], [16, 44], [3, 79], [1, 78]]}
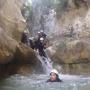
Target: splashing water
{"points": [[46, 63]]}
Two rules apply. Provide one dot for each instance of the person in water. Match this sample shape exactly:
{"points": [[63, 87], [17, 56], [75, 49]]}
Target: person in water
{"points": [[54, 76]]}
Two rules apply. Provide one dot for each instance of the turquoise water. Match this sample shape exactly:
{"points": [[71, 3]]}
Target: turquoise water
{"points": [[38, 82]]}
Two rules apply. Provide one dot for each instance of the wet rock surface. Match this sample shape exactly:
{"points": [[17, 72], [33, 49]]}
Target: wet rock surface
{"points": [[15, 57], [70, 43]]}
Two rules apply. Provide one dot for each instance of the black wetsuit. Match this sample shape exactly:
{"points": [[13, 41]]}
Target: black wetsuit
{"points": [[32, 45], [24, 38], [41, 49], [44, 35], [57, 80], [39, 45]]}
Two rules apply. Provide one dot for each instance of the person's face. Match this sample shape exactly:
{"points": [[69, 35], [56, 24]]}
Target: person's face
{"points": [[39, 34], [41, 41], [53, 76]]}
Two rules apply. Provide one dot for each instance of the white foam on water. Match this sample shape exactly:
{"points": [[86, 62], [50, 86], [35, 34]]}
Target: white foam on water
{"points": [[68, 77]]}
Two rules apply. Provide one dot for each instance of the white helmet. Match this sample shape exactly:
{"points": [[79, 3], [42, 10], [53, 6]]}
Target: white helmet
{"points": [[31, 38], [54, 71], [41, 39], [38, 32], [41, 31], [25, 31]]}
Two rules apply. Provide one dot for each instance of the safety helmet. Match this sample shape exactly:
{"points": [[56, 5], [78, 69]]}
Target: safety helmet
{"points": [[54, 71], [41, 39], [41, 31], [38, 32], [31, 38], [25, 31]]}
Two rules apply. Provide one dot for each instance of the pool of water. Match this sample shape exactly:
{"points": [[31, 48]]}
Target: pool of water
{"points": [[38, 82]]}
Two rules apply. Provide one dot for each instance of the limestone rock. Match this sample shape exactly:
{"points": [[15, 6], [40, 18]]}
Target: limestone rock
{"points": [[11, 19], [71, 48], [12, 25], [14, 56], [7, 47]]}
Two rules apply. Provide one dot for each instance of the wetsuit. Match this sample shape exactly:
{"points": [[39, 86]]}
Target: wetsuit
{"points": [[32, 45], [57, 80], [39, 45], [24, 38], [43, 35], [41, 49]]}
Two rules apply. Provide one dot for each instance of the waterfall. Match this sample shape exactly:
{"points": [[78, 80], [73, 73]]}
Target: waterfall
{"points": [[43, 17], [46, 63]]}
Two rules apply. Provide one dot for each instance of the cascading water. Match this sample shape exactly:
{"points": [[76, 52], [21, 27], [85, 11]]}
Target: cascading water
{"points": [[41, 17], [44, 17], [38, 81], [46, 63]]}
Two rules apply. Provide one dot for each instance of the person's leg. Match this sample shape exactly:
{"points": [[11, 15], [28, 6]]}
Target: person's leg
{"points": [[43, 53]]}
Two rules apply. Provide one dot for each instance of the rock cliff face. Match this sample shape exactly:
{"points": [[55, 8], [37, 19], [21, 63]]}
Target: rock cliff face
{"points": [[14, 56], [12, 25], [71, 49], [11, 19]]}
